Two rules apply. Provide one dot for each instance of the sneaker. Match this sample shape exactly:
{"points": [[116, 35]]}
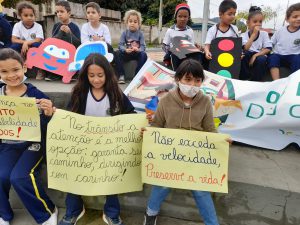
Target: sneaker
{"points": [[71, 220], [122, 80], [40, 75], [52, 78], [52, 219], [149, 220], [111, 221], [3, 222]]}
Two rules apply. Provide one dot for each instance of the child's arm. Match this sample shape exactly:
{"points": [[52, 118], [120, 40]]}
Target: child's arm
{"points": [[122, 43], [254, 34], [159, 119], [84, 34], [263, 51], [207, 51], [208, 119], [106, 35], [46, 105], [142, 43]]}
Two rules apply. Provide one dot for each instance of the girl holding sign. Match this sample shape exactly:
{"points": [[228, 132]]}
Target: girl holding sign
{"points": [[96, 93], [20, 160], [186, 107]]}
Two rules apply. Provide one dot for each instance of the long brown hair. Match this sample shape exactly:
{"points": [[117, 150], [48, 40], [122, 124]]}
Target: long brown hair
{"points": [[82, 87]]}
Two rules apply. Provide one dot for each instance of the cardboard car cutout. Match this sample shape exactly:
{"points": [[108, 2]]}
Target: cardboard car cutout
{"points": [[53, 55], [88, 48]]}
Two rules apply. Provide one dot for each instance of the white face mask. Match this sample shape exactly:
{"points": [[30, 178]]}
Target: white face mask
{"points": [[188, 90], [24, 78]]}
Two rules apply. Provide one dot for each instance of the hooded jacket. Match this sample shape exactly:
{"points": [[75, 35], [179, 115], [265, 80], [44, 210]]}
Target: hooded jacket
{"points": [[173, 113]]}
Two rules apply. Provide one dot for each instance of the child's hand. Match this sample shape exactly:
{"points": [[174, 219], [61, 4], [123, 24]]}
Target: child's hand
{"points": [[46, 105], [149, 117], [128, 50], [135, 49], [97, 38], [201, 48], [65, 29], [208, 55], [229, 140], [142, 131], [25, 47], [252, 60]]}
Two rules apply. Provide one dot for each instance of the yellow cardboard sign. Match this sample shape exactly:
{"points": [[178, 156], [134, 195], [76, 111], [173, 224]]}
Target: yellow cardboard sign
{"points": [[94, 155], [1, 9], [19, 119], [184, 159]]}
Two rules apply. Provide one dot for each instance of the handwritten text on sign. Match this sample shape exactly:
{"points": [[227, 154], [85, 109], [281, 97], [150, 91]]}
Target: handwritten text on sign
{"points": [[19, 119], [94, 155], [184, 159]]}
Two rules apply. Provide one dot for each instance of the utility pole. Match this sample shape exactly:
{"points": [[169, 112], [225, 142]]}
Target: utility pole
{"points": [[160, 20], [205, 20], [285, 10]]}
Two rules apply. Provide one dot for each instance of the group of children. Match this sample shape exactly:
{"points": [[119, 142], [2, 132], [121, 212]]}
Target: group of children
{"points": [[27, 33], [96, 93], [257, 46]]}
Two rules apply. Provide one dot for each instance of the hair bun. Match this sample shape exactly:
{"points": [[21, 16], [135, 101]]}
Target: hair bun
{"points": [[254, 8]]}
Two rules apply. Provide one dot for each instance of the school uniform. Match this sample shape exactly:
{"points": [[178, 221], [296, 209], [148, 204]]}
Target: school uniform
{"points": [[286, 49], [73, 37], [27, 34], [215, 32], [92, 107], [258, 70], [187, 34], [19, 164]]}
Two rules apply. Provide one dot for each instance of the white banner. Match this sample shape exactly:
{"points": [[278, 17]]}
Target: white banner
{"points": [[263, 114]]}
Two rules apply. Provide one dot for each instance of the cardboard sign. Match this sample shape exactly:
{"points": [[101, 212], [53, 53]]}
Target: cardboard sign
{"points": [[182, 47], [184, 159], [19, 119], [226, 56], [94, 155]]}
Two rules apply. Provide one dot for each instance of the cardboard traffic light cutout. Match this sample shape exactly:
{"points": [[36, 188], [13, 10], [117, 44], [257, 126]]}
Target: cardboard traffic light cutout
{"points": [[226, 56]]}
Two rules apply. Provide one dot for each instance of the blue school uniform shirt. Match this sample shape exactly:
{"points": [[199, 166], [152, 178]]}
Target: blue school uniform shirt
{"points": [[73, 27]]}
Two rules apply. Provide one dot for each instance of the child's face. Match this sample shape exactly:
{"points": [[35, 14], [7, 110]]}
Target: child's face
{"points": [[189, 79], [62, 14], [12, 72], [255, 21], [96, 76], [294, 19], [182, 18], [92, 15], [228, 16], [133, 23], [27, 17]]}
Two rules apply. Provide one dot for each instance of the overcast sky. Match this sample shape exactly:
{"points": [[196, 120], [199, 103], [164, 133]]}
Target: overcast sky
{"points": [[277, 5]]}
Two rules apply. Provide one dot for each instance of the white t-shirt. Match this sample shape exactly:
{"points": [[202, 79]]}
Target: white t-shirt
{"points": [[21, 32], [261, 41], [96, 107], [172, 32], [87, 31], [286, 42], [214, 32]]}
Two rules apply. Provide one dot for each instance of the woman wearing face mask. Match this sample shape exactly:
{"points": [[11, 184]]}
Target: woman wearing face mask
{"points": [[187, 108]]}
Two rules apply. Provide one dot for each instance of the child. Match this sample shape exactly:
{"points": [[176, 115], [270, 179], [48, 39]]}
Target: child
{"points": [[26, 33], [94, 30], [227, 10], [96, 93], [179, 29], [257, 45], [195, 110], [286, 43], [132, 43], [19, 160], [65, 29], [5, 32]]}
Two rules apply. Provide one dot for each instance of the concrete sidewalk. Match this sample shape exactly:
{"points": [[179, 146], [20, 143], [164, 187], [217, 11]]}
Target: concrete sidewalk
{"points": [[94, 217]]}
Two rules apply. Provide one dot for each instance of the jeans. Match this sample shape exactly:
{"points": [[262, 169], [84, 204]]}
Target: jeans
{"points": [[74, 205], [18, 47], [203, 200]]}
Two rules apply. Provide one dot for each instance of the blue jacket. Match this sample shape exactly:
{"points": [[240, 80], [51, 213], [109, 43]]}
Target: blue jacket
{"points": [[5, 32]]}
